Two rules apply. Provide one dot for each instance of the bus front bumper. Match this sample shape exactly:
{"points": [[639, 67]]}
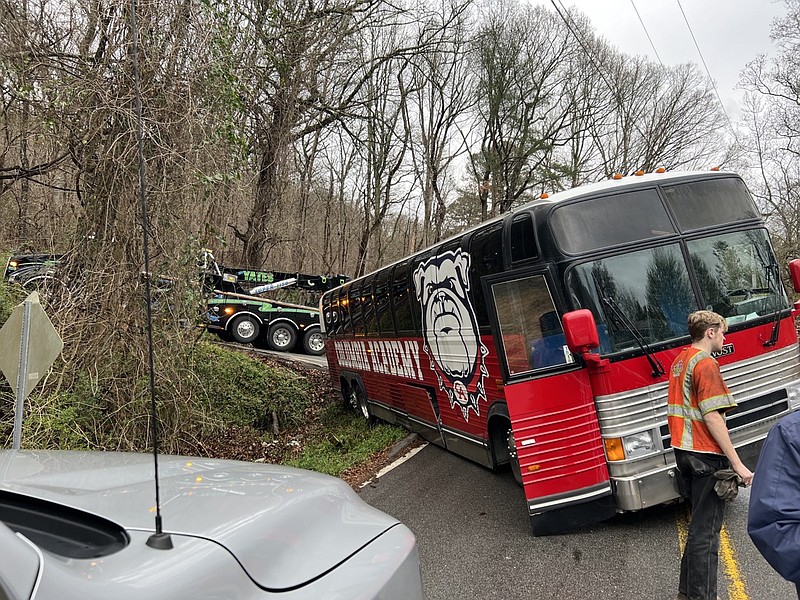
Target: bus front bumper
{"points": [[660, 485]]}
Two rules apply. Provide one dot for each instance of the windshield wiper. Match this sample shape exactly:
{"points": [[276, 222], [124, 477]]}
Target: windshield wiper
{"points": [[772, 274], [618, 316]]}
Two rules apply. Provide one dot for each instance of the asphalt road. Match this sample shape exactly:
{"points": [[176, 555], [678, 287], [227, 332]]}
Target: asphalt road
{"points": [[475, 542]]}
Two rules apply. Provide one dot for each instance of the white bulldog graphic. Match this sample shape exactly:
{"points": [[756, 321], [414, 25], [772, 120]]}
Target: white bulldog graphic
{"points": [[452, 339]]}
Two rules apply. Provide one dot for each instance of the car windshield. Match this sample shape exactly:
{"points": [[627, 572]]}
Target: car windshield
{"points": [[644, 297]]}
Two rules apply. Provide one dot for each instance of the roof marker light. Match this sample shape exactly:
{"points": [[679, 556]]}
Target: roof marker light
{"points": [[544, 195], [715, 168], [616, 176], [639, 173], [661, 170]]}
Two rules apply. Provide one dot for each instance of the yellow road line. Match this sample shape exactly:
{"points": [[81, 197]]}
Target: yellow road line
{"points": [[736, 586], [737, 590]]}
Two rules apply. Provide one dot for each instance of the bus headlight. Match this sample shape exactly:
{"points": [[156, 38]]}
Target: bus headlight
{"points": [[630, 446], [638, 444]]}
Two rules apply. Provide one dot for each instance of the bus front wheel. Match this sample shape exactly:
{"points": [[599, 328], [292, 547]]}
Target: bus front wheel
{"points": [[513, 459]]}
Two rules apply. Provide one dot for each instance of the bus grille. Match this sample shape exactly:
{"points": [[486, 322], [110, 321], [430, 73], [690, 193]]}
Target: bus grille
{"points": [[757, 384], [747, 412]]}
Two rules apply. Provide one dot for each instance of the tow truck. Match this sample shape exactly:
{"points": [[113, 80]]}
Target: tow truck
{"points": [[237, 313], [235, 310]]}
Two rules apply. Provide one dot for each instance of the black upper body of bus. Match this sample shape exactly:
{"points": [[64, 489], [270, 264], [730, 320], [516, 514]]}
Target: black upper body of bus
{"points": [[641, 253]]}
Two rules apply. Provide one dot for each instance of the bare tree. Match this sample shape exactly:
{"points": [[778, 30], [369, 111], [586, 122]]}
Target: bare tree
{"points": [[441, 94], [772, 122], [519, 53]]}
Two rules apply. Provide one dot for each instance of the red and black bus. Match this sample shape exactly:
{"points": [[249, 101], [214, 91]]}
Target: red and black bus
{"points": [[541, 339]]}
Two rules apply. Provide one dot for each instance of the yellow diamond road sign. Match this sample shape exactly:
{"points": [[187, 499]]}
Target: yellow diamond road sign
{"points": [[43, 345]]}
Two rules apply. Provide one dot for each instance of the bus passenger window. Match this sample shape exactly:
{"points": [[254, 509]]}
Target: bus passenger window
{"points": [[383, 314], [356, 318], [329, 307], [344, 312], [523, 240], [368, 307], [530, 328], [400, 301], [486, 258]]}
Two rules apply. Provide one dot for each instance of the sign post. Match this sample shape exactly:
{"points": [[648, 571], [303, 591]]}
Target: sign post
{"points": [[29, 330]]}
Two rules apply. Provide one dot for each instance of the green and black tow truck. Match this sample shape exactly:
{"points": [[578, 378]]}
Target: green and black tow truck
{"points": [[236, 312]]}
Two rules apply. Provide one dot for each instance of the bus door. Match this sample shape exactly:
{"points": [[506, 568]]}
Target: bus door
{"points": [[561, 461]]}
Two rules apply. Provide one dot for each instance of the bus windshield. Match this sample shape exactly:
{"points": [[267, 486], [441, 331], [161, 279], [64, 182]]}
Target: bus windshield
{"points": [[652, 290]]}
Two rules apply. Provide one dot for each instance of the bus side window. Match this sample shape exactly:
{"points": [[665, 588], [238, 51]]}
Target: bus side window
{"points": [[368, 304], [416, 309], [523, 239], [486, 258], [383, 314], [328, 311], [344, 311], [400, 300], [530, 327], [356, 318]]}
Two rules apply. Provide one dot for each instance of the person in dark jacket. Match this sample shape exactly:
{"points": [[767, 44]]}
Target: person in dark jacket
{"points": [[773, 520]]}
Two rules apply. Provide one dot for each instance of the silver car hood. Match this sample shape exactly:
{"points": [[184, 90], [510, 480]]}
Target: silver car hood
{"points": [[285, 526]]}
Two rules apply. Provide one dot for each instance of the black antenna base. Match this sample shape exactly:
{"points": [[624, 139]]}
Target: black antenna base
{"points": [[160, 541]]}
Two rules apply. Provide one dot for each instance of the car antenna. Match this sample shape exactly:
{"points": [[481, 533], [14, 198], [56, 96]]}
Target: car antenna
{"points": [[159, 540]]}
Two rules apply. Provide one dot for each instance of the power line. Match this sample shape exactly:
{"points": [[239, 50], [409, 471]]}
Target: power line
{"points": [[647, 33], [705, 66], [568, 21]]}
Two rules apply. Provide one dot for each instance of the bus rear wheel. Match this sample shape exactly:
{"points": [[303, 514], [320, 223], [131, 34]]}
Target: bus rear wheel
{"points": [[513, 459]]}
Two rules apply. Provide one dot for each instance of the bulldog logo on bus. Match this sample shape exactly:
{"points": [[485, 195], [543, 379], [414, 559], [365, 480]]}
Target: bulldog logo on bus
{"points": [[452, 338]]}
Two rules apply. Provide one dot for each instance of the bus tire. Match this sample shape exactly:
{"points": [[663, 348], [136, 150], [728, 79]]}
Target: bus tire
{"points": [[360, 398], [282, 337], [314, 342], [513, 459], [349, 397], [245, 329]]}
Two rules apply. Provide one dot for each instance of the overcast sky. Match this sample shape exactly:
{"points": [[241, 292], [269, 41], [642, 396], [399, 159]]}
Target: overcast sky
{"points": [[730, 33]]}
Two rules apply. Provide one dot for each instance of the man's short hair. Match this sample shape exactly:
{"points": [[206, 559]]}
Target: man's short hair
{"points": [[702, 320]]}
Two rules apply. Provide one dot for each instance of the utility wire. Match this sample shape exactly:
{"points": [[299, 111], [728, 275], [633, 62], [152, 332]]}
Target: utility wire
{"points": [[705, 66], [572, 26], [647, 33]]}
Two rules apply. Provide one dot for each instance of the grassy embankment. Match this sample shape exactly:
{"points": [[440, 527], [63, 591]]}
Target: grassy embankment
{"points": [[213, 401]]}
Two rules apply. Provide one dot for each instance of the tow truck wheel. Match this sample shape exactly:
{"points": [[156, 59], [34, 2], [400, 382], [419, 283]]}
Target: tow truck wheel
{"points": [[282, 337], [314, 342], [245, 329], [513, 459]]}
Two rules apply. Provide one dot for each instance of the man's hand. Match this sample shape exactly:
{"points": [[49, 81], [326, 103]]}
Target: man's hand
{"points": [[743, 472], [719, 431]]}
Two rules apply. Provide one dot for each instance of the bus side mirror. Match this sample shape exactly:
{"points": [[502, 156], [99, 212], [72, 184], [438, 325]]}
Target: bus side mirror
{"points": [[794, 271], [580, 331]]}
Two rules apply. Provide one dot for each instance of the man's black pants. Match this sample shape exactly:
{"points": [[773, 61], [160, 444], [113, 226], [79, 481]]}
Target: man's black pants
{"points": [[700, 558]]}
